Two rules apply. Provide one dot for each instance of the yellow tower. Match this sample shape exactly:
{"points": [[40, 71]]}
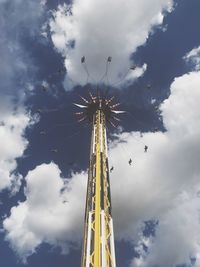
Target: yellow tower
{"points": [[98, 245]]}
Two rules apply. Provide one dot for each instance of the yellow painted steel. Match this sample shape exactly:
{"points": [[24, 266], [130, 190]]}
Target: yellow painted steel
{"points": [[97, 229], [97, 234], [107, 203]]}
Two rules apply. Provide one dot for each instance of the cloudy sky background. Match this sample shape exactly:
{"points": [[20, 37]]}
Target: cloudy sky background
{"points": [[156, 200]]}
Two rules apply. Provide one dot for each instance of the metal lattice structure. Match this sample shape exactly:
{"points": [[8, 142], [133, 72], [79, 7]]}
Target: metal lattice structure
{"points": [[98, 245]]}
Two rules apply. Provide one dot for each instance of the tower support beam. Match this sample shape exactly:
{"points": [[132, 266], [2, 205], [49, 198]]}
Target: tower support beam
{"points": [[98, 246]]}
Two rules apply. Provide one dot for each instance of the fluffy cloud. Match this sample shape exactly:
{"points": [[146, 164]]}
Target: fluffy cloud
{"points": [[193, 58], [163, 184], [52, 213], [17, 19], [101, 28], [177, 237], [12, 142]]}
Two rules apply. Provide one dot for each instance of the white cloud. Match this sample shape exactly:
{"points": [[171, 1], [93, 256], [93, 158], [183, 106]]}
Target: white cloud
{"points": [[193, 57], [12, 143], [163, 183], [182, 106], [52, 213], [178, 235], [16, 19], [101, 28]]}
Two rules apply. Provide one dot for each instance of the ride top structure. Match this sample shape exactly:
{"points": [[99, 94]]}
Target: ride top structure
{"points": [[98, 244]]}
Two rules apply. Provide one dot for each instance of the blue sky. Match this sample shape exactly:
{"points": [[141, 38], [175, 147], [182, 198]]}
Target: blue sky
{"points": [[42, 193]]}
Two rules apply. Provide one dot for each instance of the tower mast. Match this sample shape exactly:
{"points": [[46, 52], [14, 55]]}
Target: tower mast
{"points": [[98, 245]]}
